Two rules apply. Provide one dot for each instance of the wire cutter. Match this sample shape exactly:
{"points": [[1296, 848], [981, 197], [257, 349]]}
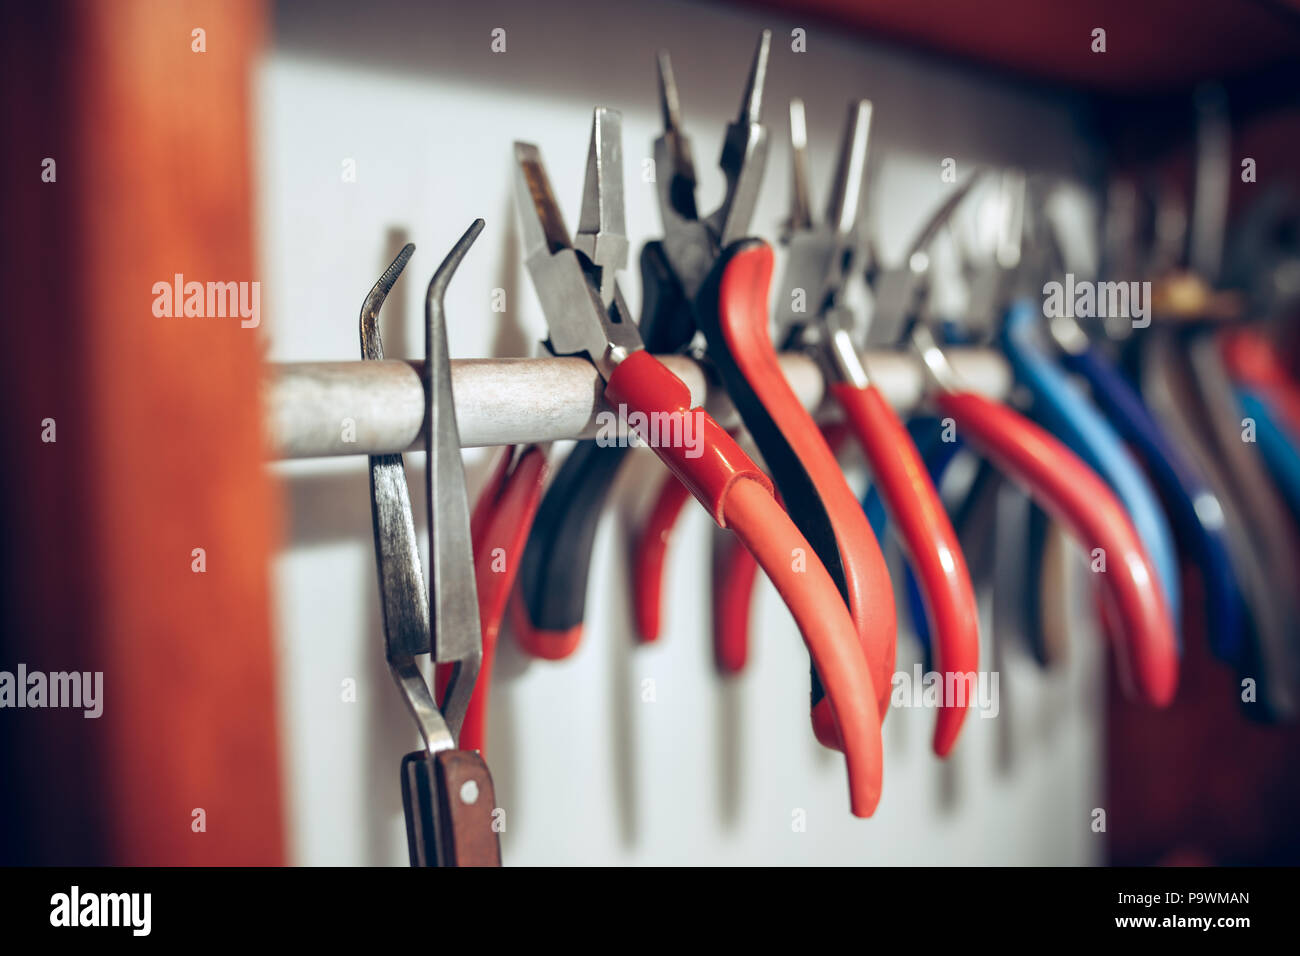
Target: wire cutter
{"points": [[447, 792], [1055, 478], [576, 282], [725, 279]]}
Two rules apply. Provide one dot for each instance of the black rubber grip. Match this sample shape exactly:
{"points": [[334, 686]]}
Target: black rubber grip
{"points": [[1036, 530], [557, 558], [798, 492]]}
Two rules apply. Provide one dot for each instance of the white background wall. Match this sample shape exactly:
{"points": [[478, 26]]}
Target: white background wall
{"points": [[710, 772]]}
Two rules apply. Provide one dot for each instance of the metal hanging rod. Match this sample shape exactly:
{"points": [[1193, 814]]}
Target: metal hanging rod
{"points": [[324, 409]]}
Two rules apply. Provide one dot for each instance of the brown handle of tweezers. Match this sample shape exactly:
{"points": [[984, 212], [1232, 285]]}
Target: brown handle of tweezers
{"points": [[450, 809]]}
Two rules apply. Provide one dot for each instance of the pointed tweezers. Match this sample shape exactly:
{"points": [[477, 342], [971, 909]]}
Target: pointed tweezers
{"points": [[444, 620]]}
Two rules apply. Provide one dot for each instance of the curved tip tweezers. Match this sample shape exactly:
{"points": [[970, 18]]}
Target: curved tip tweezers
{"points": [[372, 346], [402, 596]]}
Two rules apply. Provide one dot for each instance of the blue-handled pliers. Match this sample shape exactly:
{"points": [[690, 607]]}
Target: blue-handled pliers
{"points": [[1061, 405], [1276, 445], [1196, 513]]}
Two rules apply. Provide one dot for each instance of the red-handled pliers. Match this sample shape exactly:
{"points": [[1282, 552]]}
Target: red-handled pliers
{"points": [[725, 280], [1253, 359], [811, 314], [586, 315], [1059, 482], [734, 575]]}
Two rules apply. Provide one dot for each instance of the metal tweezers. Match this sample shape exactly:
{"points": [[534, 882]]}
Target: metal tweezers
{"points": [[447, 793]]}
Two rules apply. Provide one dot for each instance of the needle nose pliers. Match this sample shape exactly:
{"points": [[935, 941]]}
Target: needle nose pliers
{"points": [[724, 280], [586, 315], [812, 316], [823, 257]]}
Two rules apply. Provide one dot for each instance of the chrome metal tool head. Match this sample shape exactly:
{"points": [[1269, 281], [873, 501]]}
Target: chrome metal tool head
{"points": [[1213, 180], [450, 604], [998, 263], [899, 291], [824, 256], [576, 281], [692, 242], [455, 633], [602, 229]]}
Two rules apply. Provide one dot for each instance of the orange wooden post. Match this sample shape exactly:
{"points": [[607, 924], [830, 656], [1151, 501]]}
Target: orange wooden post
{"points": [[159, 448]]}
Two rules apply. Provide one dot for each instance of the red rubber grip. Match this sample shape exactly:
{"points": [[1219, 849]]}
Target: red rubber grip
{"points": [[1252, 359], [539, 643], [499, 525], [1073, 494], [706, 459], [740, 497], [929, 539], [766, 530], [743, 315], [648, 557]]}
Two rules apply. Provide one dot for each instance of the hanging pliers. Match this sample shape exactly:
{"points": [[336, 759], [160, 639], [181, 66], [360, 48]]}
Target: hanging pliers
{"points": [[811, 315], [447, 792], [1054, 477], [725, 278], [576, 281]]}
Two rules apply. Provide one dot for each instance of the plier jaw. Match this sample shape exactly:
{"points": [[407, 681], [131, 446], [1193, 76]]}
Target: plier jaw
{"points": [[602, 227], [900, 294], [692, 243], [824, 256], [455, 631], [1004, 272], [575, 281], [744, 154]]}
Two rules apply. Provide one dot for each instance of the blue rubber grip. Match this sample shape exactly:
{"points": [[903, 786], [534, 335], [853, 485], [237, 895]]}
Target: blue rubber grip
{"points": [[1276, 446], [1193, 507], [1077, 422]]}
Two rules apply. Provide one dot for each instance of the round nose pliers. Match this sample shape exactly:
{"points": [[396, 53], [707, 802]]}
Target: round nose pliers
{"points": [[811, 314]]}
